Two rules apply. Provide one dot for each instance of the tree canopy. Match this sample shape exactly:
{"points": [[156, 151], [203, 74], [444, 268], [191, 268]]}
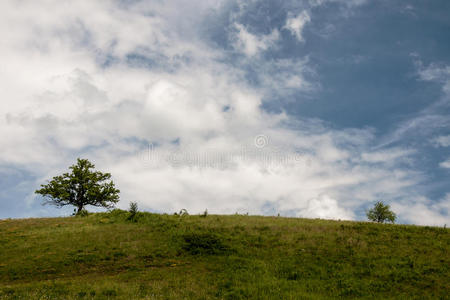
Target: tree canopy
{"points": [[381, 213], [80, 187]]}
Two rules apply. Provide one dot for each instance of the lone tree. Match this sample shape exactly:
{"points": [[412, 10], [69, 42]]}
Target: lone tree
{"points": [[81, 187], [381, 213]]}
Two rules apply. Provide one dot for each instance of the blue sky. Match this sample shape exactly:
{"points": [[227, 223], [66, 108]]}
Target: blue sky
{"points": [[312, 108]]}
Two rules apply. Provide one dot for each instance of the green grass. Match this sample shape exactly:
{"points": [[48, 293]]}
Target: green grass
{"points": [[106, 256]]}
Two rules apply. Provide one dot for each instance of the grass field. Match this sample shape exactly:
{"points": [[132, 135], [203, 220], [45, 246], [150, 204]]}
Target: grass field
{"points": [[105, 256]]}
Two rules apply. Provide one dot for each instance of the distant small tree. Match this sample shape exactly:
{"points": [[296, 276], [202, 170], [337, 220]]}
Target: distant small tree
{"points": [[381, 213], [81, 187], [134, 211]]}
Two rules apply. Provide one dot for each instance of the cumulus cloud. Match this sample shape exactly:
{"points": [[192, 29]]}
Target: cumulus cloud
{"points": [[295, 24], [325, 207], [422, 211]]}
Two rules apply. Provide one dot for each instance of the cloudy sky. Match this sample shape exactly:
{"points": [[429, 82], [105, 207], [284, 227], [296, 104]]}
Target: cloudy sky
{"points": [[314, 108]]}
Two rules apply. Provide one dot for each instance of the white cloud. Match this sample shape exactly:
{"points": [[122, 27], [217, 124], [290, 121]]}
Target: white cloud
{"points": [[430, 120], [325, 207], [445, 164], [283, 77], [422, 211], [393, 155], [349, 3], [251, 44], [442, 141], [295, 24], [434, 72]]}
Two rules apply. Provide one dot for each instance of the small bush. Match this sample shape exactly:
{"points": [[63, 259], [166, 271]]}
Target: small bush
{"points": [[109, 293], [133, 212], [81, 294], [204, 214], [203, 243]]}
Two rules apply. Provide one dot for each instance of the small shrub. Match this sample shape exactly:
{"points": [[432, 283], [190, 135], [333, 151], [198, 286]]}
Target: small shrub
{"points": [[133, 212], [109, 293], [133, 208], [204, 214], [81, 294], [203, 243]]}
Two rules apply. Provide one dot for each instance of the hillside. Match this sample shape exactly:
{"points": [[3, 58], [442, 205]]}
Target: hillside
{"points": [[104, 256]]}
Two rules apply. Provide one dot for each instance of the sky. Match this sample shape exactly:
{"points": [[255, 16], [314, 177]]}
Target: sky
{"points": [[315, 108]]}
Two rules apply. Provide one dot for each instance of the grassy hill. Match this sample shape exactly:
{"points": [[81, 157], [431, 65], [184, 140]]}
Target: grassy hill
{"points": [[104, 256]]}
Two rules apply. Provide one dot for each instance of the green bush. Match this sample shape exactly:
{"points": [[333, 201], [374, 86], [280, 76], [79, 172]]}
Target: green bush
{"points": [[133, 212], [203, 243]]}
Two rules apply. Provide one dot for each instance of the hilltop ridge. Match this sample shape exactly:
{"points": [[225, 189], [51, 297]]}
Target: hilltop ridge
{"points": [[108, 256]]}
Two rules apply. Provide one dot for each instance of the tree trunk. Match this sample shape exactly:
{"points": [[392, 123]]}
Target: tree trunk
{"points": [[80, 208]]}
